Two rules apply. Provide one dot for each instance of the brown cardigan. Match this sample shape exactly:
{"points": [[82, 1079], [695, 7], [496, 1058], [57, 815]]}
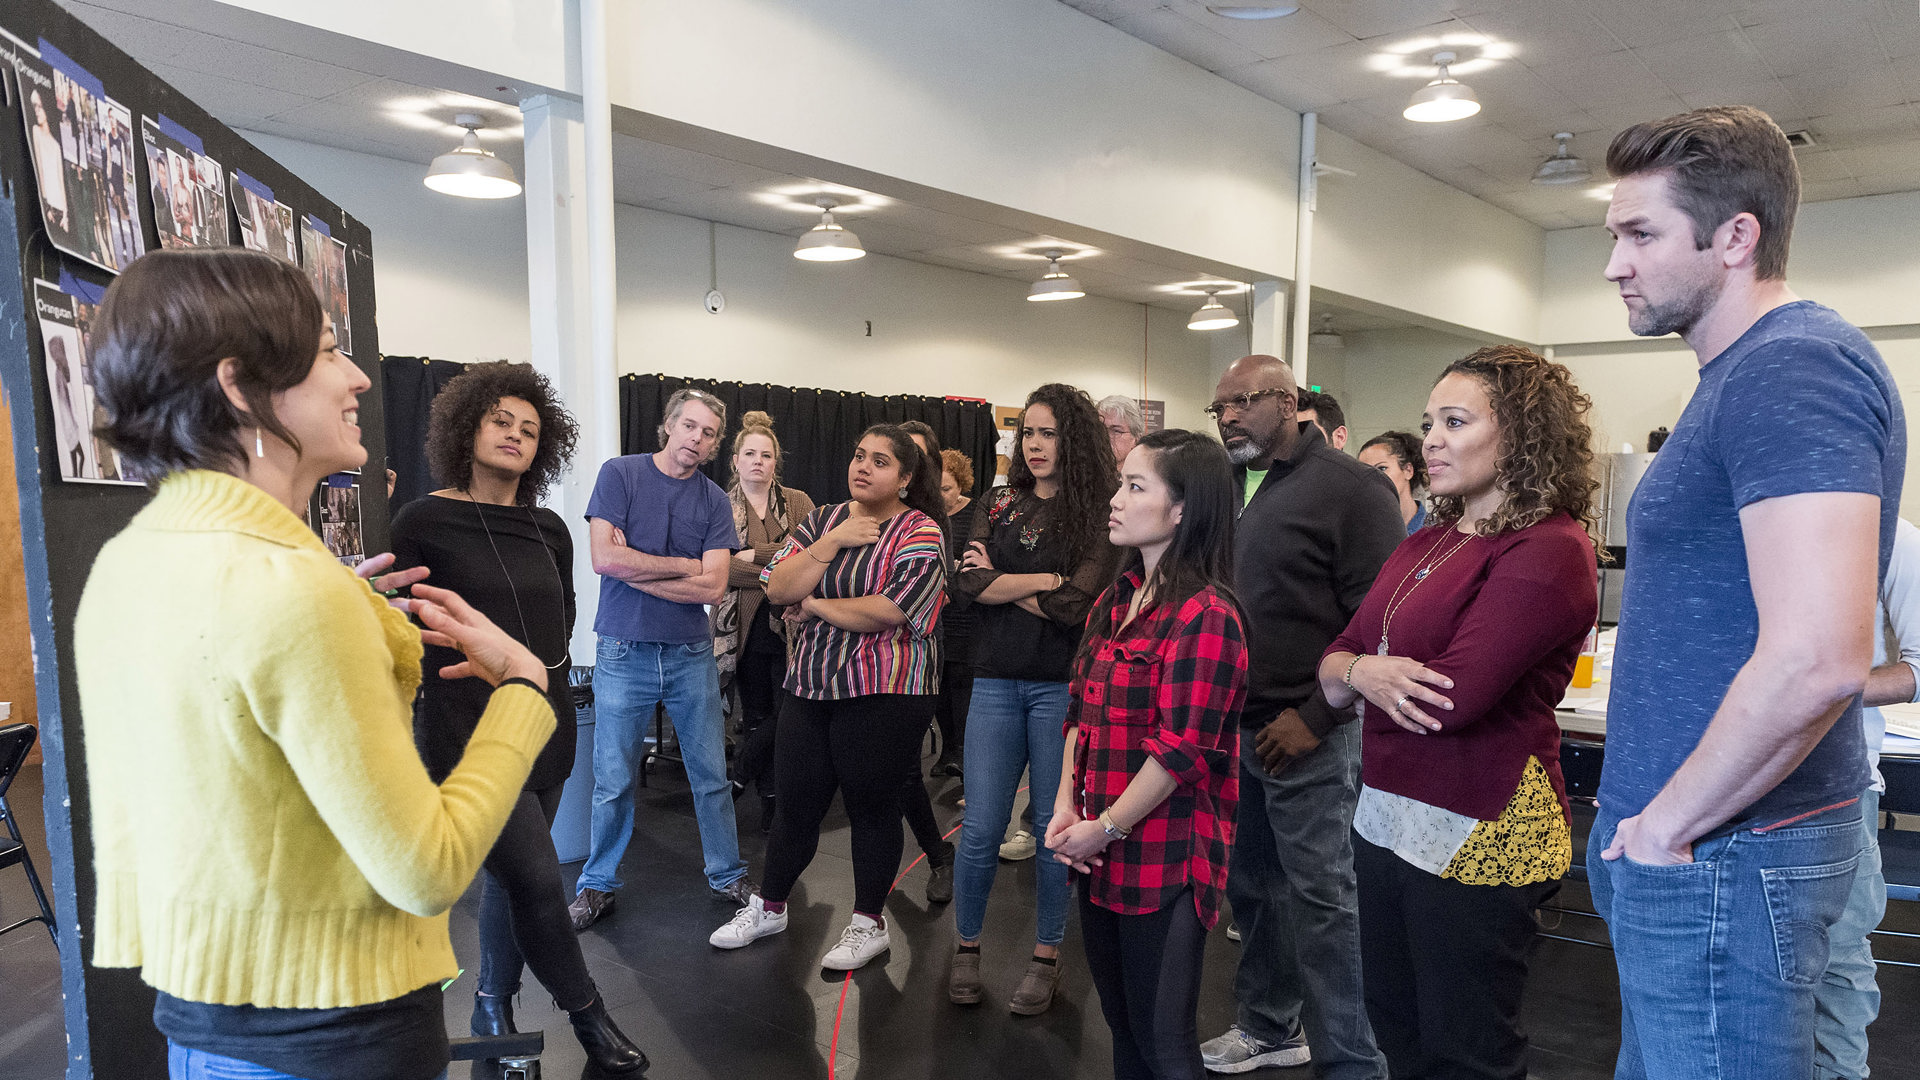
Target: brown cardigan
{"points": [[745, 576]]}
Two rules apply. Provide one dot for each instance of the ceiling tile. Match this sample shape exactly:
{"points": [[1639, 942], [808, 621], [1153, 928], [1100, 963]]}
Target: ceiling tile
{"points": [[1828, 190], [1845, 87], [1821, 166], [704, 169], [1887, 124], [1722, 58], [1302, 31], [1186, 39], [1283, 81], [1637, 23], [1606, 79], [1542, 31], [1810, 41], [232, 103], [1883, 159], [1109, 10], [1376, 18]]}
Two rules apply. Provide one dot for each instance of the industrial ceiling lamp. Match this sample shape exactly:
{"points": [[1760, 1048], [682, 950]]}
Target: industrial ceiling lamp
{"points": [[1445, 98], [1562, 167], [471, 171], [1253, 9], [1055, 284], [828, 241], [1213, 315], [1326, 336]]}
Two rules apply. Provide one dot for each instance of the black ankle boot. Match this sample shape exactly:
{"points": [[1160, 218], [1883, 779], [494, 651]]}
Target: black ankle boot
{"points": [[492, 1015], [607, 1048]]}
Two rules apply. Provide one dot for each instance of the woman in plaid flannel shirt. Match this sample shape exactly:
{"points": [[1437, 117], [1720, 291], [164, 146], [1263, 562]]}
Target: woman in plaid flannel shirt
{"points": [[1149, 783]]}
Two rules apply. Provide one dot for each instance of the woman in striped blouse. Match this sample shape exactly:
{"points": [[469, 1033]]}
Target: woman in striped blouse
{"points": [[863, 582]]}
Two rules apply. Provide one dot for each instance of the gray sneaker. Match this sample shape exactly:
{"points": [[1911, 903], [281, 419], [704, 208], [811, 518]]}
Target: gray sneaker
{"points": [[740, 890], [1018, 847], [1238, 1052]]}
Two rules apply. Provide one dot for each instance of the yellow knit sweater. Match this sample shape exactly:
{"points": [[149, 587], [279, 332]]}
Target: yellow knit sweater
{"points": [[264, 832]]}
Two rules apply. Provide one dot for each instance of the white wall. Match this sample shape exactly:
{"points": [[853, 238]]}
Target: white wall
{"points": [[1382, 376], [451, 282]]}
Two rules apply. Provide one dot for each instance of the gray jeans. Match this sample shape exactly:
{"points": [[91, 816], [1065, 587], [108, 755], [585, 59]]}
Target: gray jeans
{"points": [[1292, 888], [1848, 999]]}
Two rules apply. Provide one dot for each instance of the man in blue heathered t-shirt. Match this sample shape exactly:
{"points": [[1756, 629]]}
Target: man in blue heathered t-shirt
{"points": [[1729, 819], [662, 534]]}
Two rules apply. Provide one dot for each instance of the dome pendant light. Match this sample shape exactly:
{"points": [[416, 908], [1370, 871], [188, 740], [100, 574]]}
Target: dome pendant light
{"points": [[1253, 9], [1213, 315], [471, 171], [1562, 167], [828, 241], [1445, 98], [1326, 336], [1055, 284]]}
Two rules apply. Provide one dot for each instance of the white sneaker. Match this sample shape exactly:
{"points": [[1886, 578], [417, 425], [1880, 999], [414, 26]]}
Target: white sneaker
{"points": [[1238, 1052], [1021, 846], [749, 924], [863, 940]]}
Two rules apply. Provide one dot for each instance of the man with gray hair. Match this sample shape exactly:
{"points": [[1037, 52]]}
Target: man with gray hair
{"points": [[662, 535], [1125, 423]]}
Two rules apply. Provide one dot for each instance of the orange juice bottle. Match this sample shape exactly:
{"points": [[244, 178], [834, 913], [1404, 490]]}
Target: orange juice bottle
{"points": [[1583, 667]]}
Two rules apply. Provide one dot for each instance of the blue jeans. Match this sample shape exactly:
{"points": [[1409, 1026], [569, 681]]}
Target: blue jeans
{"points": [[1011, 725], [1292, 886], [1848, 998], [185, 1064], [629, 679], [1719, 957]]}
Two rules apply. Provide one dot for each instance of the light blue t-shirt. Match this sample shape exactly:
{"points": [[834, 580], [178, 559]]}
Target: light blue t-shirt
{"points": [[681, 519], [1800, 403]]}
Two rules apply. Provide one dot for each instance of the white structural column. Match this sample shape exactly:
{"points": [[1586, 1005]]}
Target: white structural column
{"points": [[561, 306], [1268, 333], [1303, 246]]}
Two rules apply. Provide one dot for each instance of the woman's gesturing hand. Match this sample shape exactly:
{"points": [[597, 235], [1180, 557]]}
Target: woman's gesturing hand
{"points": [[491, 654], [391, 586], [856, 531], [1399, 686]]}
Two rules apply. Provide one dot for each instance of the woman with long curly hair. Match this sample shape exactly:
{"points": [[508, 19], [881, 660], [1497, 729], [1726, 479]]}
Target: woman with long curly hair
{"points": [[1396, 454], [1038, 558], [498, 437], [1458, 655]]}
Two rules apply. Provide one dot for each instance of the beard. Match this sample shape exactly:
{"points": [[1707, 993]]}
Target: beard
{"points": [[1249, 451], [1689, 302]]}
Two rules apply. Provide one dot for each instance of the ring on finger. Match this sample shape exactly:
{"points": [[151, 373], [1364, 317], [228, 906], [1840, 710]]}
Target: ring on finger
{"points": [[1401, 701]]}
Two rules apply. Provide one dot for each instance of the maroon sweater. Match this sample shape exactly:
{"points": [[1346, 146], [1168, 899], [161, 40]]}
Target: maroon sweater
{"points": [[1504, 618]]}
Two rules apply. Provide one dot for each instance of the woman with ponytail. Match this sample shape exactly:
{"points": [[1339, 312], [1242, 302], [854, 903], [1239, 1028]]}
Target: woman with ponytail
{"points": [[863, 582]]}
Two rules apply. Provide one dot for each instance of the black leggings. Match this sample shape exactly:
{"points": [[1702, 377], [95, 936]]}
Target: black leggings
{"points": [[523, 910], [1445, 968], [917, 807], [762, 668], [860, 747], [950, 709], [1147, 969]]}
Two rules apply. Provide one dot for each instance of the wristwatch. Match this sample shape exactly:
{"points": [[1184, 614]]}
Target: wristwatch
{"points": [[1114, 832]]}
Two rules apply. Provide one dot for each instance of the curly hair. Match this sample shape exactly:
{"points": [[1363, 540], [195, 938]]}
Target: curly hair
{"points": [[1546, 445], [1088, 476], [1405, 447], [960, 468], [464, 403]]}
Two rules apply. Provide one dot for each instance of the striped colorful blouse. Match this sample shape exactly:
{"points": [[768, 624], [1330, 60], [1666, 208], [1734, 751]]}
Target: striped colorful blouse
{"points": [[907, 565]]}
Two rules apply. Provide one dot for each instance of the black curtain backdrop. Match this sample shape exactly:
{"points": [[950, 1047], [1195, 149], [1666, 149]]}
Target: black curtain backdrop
{"points": [[411, 384], [818, 429]]}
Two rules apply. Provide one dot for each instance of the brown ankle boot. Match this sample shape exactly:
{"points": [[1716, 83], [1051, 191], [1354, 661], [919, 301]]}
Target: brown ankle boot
{"points": [[963, 979], [1035, 995]]}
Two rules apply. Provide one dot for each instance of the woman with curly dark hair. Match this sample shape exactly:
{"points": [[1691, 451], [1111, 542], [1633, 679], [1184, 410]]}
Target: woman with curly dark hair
{"points": [[1397, 455], [1459, 655], [498, 437], [1038, 558]]}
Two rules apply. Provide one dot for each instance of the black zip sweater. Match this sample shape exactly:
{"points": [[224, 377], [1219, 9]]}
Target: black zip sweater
{"points": [[1306, 550]]}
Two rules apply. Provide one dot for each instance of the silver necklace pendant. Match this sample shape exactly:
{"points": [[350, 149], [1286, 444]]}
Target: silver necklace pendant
{"points": [[1421, 574]]}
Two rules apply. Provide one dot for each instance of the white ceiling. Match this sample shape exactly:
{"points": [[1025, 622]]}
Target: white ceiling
{"points": [[1846, 70]]}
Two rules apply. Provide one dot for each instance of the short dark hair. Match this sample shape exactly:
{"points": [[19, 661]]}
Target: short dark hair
{"points": [[165, 325], [1405, 447], [1332, 416], [1721, 162], [464, 403]]}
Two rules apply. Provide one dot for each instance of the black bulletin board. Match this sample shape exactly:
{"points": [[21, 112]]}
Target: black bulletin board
{"points": [[109, 1012]]}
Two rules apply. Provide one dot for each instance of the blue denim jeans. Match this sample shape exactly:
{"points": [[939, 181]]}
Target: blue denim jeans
{"points": [[185, 1064], [629, 679], [1719, 957], [1848, 998], [1011, 725]]}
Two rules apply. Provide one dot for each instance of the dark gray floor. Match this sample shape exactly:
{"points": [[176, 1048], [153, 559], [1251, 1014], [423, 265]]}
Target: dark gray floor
{"points": [[769, 1011]]}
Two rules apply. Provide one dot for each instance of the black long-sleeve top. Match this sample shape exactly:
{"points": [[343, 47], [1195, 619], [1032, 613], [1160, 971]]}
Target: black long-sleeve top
{"points": [[1306, 550], [1010, 642], [447, 536], [959, 618]]}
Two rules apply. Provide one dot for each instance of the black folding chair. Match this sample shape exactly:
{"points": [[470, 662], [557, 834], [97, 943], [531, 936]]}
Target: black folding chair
{"points": [[15, 741]]}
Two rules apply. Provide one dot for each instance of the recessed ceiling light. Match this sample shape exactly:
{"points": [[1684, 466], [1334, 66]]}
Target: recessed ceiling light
{"points": [[1253, 9], [1444, 99]]}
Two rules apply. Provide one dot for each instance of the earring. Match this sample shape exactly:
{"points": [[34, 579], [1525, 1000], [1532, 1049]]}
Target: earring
{"points": [[259, 447]]}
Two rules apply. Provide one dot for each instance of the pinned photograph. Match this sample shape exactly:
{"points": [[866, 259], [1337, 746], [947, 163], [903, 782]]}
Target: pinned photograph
{"points": [[66, 327], [340, 524], [325, 261], [81, 144], [265, 224], [189, 188]]}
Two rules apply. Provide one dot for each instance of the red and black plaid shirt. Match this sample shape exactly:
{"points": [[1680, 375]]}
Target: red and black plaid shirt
{"points": [[1169, 687]]}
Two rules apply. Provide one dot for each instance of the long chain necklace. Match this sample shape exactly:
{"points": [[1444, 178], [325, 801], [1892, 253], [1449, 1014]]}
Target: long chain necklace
{"points": [[526, 637], [1418, 574]]}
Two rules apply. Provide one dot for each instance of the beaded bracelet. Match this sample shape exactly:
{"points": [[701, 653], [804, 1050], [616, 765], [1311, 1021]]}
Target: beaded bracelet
{"points": [[1351, 664]]}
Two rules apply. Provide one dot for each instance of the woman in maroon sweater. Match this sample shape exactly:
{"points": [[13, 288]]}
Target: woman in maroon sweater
{"points": [[1461, 651]]}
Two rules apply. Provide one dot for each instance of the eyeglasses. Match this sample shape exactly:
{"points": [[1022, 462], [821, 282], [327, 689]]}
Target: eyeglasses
{"points": [[1239, 402]]}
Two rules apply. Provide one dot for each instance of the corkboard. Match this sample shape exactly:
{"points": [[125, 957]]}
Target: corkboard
{"points": [[16, 644]]}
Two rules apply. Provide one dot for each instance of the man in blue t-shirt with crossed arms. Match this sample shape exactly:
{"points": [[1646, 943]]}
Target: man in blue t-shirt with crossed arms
{"points": [[1729, 821], [662, 534]]}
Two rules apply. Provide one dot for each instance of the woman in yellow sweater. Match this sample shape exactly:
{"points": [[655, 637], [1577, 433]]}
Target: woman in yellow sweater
{"points": [[269, 850]]}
